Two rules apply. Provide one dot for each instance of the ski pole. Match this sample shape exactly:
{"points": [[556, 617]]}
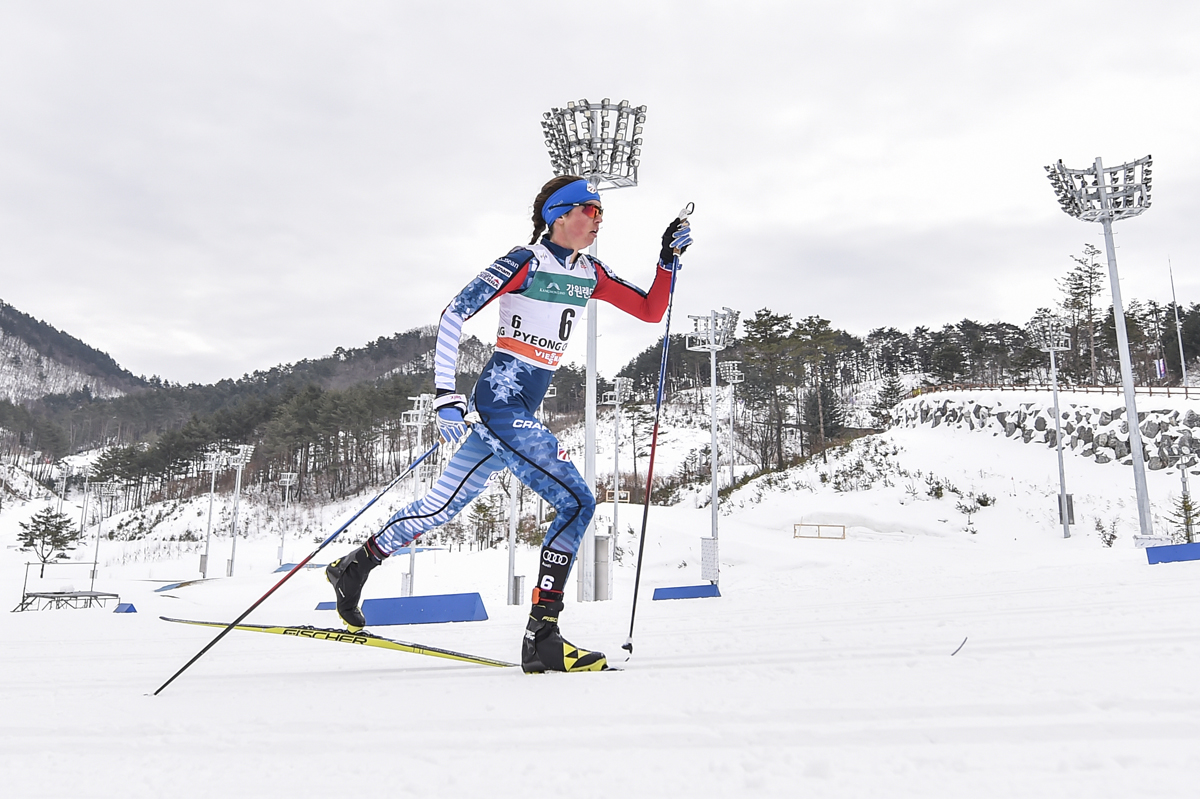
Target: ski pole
{"points": [[297, 567], [658, 400]]}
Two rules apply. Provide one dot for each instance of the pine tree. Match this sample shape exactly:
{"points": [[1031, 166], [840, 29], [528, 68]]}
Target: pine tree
{"points": [[1185, 517], [823, 412], [891, 393], [769, 350], [47, 535], [817, 347], [484, 519], [1081, 287]]}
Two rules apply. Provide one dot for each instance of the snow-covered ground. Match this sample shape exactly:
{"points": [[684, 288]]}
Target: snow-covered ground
{"points": [[827, 668]]}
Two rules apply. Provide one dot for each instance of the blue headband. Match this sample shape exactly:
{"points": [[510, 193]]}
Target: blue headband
{"points": [[560, 202]]}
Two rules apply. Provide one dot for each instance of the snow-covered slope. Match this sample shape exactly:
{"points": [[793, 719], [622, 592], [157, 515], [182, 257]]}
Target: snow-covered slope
{"points": [[26, 375], [912, 658]]}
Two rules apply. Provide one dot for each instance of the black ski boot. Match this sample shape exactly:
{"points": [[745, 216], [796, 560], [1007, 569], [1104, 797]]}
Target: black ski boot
{"points": [[544, 648], [347, 575]]}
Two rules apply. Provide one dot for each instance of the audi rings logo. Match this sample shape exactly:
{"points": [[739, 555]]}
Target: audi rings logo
{"points": [[555, 558]]}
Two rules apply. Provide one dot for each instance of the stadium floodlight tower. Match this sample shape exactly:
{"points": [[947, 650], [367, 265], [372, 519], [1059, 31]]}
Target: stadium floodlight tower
{"points": [[238, 461], [1049, 334], [622, 387], [102, 491], [418, 418], [732, 375], [1106, 194], [713, 333], [601, 142], [215, 460], [287, 480]]}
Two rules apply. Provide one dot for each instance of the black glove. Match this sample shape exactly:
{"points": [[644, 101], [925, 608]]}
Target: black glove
{"points": [[677, 236]]}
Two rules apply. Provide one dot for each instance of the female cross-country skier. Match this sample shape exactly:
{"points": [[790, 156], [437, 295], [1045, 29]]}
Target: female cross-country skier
{"points": [[541, 289]]}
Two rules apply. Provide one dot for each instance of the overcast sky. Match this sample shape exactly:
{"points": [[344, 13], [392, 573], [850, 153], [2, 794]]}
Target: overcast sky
{"points": [[202, 189]]}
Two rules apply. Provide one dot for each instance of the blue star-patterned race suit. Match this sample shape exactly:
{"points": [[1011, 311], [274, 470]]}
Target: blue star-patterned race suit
{"points": [[511, 387]]}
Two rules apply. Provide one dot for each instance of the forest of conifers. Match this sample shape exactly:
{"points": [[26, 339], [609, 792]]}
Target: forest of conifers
{"points": [[339, 421]]}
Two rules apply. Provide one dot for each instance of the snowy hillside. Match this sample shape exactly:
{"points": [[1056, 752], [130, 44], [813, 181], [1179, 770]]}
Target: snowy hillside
{"points": [[26, 375], [928, 653]]}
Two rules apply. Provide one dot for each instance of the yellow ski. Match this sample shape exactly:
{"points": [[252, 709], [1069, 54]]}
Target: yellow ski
{"points": [[362, 638]]}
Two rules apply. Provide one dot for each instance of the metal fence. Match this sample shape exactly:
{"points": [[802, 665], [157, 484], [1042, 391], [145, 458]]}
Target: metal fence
{"points": [[1152, 391]]}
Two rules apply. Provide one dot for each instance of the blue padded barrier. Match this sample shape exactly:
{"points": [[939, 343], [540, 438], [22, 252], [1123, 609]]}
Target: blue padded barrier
{"points": [[433, 609], [125, 607], [1173, 553], [687, 592]]}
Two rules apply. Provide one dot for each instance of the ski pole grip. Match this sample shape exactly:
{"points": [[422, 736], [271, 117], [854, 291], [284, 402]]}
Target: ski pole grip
{"points": [[683, 215]]}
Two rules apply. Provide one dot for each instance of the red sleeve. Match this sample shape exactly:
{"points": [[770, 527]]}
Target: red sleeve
{"points": [[647, 306]]}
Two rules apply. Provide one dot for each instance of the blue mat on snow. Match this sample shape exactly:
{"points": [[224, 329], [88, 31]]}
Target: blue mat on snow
{"points": [[433, 609], [1173, 553], [687, 592]]}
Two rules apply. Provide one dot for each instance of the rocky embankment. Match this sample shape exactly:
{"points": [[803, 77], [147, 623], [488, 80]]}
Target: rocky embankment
{"points": [[1092, 426]]}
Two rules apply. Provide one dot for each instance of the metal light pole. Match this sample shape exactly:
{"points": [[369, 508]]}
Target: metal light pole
{"points": [[418, 417], [1104, 195], [1049, 332], [87, 491], [602, 143], [214, 461], [103, 491], [238, 460], [62, 489], [1183, 457], [732, 375], [514, 485], [620, 392], [1178, 329], [712, 334], [287, 480]]}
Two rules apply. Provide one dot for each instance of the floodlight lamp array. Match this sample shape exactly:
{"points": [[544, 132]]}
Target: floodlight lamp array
{"points": [[1098, 192], [622, 389], [1049, 332], [242, 456], [422, 407], [598, 141], [215, 460], [707, 336], [730, 372], [1180, 454]]}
